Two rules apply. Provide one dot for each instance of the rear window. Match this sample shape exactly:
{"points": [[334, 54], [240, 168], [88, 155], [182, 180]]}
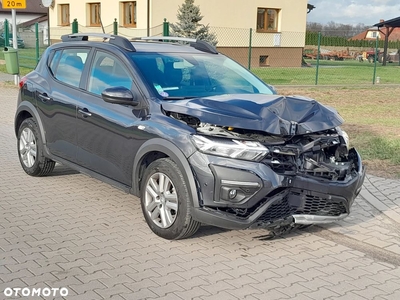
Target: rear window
{"points": [[67, 65]]}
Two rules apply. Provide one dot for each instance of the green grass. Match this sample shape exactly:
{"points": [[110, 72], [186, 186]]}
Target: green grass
{"points": [[373, 146], [26, 58], [23, 71], [372, 120], [348, 72]]}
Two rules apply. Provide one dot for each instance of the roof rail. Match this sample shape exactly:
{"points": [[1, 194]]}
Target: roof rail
{"points": [[169, 38], [113, 39], [195, 43]]}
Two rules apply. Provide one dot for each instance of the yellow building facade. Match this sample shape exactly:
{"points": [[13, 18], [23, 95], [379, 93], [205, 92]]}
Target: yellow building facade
{"points": [[277, 26]]}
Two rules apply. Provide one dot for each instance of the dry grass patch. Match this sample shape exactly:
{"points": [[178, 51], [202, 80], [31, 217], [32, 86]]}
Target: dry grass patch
{"points": [[372, 116]]}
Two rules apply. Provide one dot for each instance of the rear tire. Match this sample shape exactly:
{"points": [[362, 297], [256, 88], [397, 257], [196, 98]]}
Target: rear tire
{"points": [[30, 150], [166, 201]]}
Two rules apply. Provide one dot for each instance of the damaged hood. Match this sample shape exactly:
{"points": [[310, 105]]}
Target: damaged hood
{"points": [[273, 114]]}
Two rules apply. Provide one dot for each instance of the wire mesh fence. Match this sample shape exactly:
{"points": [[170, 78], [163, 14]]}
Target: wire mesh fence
{"points": [[278, 58], [283, 58], [32, 41]]}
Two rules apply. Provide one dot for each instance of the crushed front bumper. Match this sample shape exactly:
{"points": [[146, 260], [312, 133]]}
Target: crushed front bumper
{"points": [[265, 199]]}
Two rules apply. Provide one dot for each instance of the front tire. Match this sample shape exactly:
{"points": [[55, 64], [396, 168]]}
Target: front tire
{"points": [[166, 201], [30, 150]]}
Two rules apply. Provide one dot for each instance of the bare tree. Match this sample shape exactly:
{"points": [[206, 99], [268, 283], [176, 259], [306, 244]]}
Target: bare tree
{"points": [[314, 26], [337, 29]]}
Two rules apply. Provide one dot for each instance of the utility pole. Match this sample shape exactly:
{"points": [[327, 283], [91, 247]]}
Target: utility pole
{"points": [[15, 40]]}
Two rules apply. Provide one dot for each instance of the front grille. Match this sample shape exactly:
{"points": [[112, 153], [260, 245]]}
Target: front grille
{"points": [[296, 203], [286, 164], [313, 205], [278, 210]]}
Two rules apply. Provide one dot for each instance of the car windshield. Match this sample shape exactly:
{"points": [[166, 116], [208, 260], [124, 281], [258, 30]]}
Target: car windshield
{"points": [[187, 75]]}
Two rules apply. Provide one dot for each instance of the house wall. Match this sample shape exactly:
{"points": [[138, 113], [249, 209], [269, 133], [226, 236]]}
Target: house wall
{"points": [[231, 20], [370, 34], [265, 56], [21, 18], [30, 39], [110, 10], [221, 13], [236, 14]]}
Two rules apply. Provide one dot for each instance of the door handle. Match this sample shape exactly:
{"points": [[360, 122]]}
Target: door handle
{"points": [[44, 97], [84, 112]]}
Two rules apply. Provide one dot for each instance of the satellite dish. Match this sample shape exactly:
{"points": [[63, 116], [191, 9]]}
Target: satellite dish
{"points": [[47, 3]]}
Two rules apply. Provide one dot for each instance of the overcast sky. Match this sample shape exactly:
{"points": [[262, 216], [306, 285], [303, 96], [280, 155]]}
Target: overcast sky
{"points": [[353, 12]]}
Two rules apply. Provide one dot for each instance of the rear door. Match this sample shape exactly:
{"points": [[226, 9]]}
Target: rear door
{"points": [[57, 96]]}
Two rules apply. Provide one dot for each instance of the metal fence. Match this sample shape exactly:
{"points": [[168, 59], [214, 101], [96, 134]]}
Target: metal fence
{"points": [[34, 42], [30, 44], [279, 58], [283, 59]]}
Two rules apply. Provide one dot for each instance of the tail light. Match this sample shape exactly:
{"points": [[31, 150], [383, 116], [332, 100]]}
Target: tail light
{"points": [[22, 82]]}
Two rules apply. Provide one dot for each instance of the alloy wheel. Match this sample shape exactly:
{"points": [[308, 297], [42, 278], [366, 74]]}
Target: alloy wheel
{"points": [[28, 147], [161, 200]]}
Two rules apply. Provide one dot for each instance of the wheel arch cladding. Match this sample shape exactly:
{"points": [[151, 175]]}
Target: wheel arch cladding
{"points": [[41, 166], [163, 148], [27, 110]]}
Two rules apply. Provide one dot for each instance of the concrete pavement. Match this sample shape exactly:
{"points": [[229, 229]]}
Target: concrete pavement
{"points": [[69, 231]]}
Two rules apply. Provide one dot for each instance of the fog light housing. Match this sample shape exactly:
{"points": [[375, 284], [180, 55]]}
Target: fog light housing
{"points": [[232, 194], [237, 191]]}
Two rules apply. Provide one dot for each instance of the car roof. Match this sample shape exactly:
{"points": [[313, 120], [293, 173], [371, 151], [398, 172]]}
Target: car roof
{"points": [[162, 47], [148, 44]]}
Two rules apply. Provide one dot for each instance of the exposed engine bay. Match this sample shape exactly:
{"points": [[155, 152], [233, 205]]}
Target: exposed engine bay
{"points": [[323, 155]]}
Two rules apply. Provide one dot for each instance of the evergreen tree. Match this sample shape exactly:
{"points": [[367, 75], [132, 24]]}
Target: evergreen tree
{"points": [[188, 24]]}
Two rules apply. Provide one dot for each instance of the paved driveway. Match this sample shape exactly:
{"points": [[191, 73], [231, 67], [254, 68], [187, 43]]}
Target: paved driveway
{"points": [[73, 232]]}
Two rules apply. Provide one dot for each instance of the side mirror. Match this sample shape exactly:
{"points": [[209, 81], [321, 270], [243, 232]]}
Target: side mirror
{"points": [[119, 95]]}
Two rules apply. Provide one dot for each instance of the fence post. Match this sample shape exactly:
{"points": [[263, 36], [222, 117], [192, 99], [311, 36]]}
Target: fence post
{"points": [[6, 33], [75, 26], [376, 59], [115, 27], [165, 28], [250, 42], [37, 41], [318, 53]]}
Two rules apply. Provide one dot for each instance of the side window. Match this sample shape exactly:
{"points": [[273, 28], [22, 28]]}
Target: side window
{"points": [[53, 64], [107, 71], [67, 65]]}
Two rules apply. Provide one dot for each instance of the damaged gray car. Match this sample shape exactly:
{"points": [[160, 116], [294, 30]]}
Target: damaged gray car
{"points": [[197, 137]]}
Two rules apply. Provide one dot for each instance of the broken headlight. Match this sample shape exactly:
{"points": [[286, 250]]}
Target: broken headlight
{"points": [[344, 135], [238, 149]]}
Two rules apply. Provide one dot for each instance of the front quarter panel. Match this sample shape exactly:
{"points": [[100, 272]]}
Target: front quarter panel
{"points": [[171, 150]]}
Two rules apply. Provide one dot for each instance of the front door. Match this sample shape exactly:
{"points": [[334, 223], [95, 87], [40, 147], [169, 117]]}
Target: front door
{"points": [[107, 134]]}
